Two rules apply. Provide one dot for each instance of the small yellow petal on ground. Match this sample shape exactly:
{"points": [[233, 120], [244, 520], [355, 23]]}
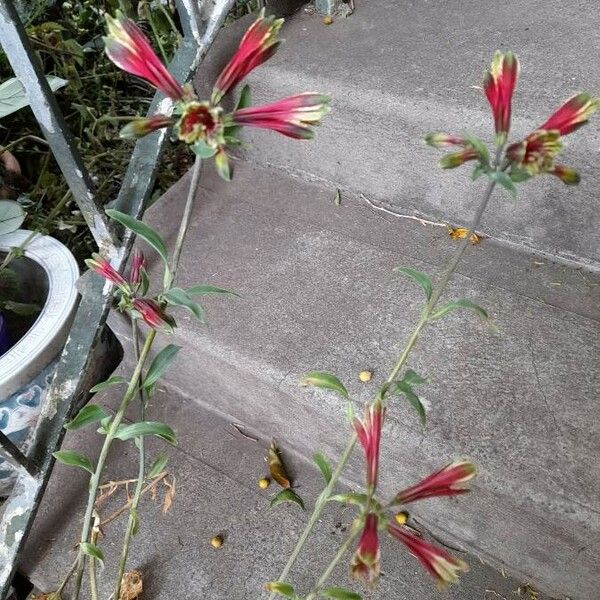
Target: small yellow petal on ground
{"points": [[327, 20], [217, 541], [365, 376], [401, 518], [264, 483]]}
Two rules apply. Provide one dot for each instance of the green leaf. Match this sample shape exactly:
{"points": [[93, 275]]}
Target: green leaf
{"points": [[403, 388], [245, 98], [350, 498], [178, 297], [86, 416], [135, 521], [519, 175], [413, 378], [287, 495], [141, 230], [73, 459], [20, 308], [322, 379], [462, 303], [158, 466], [203, 150], [12, 216], [503, 179], [338, 593], [419, 278], [204, 290], [114, 380], [126, 432], [324, 466], [160, 364], [480, 147], [283, 589], [478, 171], [93, 551], [13, 96]]}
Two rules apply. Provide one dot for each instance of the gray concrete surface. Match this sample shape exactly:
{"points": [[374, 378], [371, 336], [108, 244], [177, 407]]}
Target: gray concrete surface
{"points": [[397, 70], [319, 293], [216, 471]]}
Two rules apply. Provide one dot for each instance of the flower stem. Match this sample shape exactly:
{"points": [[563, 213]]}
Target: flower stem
{"points": [[131, 523], [185, 221], [438, 290], [95, 479], [336, 559]]}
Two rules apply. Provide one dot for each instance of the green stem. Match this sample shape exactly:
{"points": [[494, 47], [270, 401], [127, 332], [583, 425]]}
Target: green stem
{"points": [[185, 221], [156, 34], [438, 290], [140, 478], [336, 559], [114, 426]]}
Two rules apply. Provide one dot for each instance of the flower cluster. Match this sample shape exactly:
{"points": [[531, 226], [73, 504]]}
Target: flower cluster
{"points": [[536, 153], [132, 290], [204, 125], [448, 481]]}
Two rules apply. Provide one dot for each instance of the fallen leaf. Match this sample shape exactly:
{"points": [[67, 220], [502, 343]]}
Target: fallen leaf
{"points": [[327, 20], [131, 585], [458, 233], [337, 199], [50, 596], [276, 468], [169, 495]]}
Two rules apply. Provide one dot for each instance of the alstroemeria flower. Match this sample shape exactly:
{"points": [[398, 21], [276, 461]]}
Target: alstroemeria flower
{"points": [[572, 115], [444, 567], [365, 562], [535, 155], [368, 431], [258, 45], [131, 51], [152, 314], [448, 481], [294, 116], [443, 140], [141, 126], [499, 85], [101, 266], [201, 122], [455, 159], [138, 263]]}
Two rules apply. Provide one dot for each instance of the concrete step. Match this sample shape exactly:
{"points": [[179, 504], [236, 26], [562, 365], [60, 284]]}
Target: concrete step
{"points": [[398, 70], [319, 293], [216, 470]]}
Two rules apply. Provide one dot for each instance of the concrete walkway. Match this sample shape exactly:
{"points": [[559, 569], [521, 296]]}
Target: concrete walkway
{"points": [[319, 293], [216, 471]]}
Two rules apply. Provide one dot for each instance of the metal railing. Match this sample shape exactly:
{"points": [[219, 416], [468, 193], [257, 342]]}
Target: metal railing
{"points": [[200, 21]]}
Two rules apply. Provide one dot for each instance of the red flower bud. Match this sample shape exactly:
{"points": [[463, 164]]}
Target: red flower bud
{"points": [[369, 435], [152, 314], [365, 562], [141, 126], [572, 115], [499, 85], [101, 266]]}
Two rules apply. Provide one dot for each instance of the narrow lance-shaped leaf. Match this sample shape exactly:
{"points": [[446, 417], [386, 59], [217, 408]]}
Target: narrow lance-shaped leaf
{"points": [[405, 389], [324, 466], [322, 379], [462, 303], [287, 495], [89, 414], [503, 179], [134, 430], [281, 588], [413, 378], [141, 230], [338, 593], [93, 551], [178, 297], [160, 364], [480, 147], [73, 459], [114, 380], [204, 290], [419, 278], [158, 466]]}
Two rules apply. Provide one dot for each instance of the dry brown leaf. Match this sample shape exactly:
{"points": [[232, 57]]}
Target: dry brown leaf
{"points": [[276, 468], [50, 596], [169, 495], [131, 585], [460, 233]]}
